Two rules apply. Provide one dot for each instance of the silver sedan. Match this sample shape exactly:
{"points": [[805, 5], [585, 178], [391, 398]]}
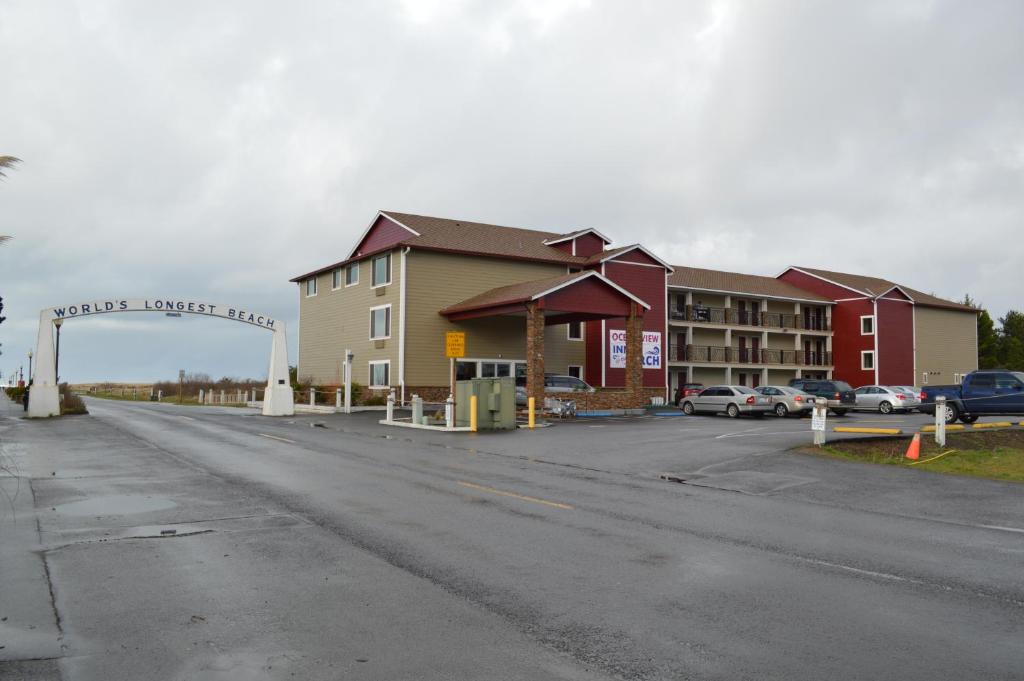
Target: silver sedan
{"points": [[731, 399], [880, 398], [786, 400]]}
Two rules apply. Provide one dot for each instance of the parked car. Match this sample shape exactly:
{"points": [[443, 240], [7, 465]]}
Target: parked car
{"points": [[730, 399], [839, 394], [980, 394], [913, 396], [685, 390], [786, 400], [881, 398], [553, 383]]}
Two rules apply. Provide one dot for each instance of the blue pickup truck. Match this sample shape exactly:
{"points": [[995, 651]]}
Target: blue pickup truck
{"points": [[981, 393]]}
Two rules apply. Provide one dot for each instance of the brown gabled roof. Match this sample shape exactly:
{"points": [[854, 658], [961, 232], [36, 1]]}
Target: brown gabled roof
{"points": [[529, 290], [875, 286], [612, 253], [735, 282], [478, 238]]}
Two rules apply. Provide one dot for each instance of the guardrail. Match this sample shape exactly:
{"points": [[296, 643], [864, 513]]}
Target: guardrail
{"points": [[736, 317], [713, 354]]}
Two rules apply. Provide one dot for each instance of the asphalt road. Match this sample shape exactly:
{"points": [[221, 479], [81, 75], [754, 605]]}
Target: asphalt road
{"points": [[351, 550]]}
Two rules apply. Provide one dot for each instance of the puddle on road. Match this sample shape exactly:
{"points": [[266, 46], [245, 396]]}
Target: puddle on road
{"points": [[118, 504]]}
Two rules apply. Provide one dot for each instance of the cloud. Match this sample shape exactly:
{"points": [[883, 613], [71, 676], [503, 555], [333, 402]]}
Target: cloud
{"points": [[213, 150]]}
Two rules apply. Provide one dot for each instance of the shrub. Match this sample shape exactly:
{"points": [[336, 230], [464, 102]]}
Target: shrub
{"points": [[70, 403]]}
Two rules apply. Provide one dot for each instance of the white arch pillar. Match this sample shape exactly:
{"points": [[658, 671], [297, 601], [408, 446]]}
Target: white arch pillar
{"points": [[43, 397], [279, 400]]}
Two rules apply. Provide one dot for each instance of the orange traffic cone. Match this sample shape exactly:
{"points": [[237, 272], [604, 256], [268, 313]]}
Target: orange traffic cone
{"points": [[914, 450]]}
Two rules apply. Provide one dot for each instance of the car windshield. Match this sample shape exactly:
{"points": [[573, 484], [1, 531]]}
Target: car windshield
{"points": [[1019, 375], [842, 386]]}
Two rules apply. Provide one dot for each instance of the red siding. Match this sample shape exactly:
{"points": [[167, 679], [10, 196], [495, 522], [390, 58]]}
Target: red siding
{"points": [[590, 296], [564, 247], [639, 256], [592, 336], [382, 234], [847, 342], [895, 329], [588, 245], [648, 284]]}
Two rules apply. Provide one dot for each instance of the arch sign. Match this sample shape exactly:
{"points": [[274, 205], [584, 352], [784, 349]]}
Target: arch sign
{"points": [[45, 401]]}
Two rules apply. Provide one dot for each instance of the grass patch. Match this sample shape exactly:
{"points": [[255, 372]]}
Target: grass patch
{"points": [[994, 454]]}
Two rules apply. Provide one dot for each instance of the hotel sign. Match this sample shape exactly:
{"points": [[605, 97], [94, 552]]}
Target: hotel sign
{"points": [[169, 305], [617, 349]]}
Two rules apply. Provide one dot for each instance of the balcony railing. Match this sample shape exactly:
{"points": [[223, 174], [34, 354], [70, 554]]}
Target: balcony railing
{"points": [[713, 354], [727, 315]]}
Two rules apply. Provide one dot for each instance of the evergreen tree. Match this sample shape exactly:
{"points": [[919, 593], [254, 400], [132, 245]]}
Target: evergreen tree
{"points": [[1011, 340], [988, 338]]}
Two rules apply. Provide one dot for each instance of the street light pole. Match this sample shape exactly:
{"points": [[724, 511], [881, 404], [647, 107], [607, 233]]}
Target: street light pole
{"points": [[56, 361], [29, 366]]}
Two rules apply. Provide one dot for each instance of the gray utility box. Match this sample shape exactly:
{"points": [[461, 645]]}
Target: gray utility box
{"points": [[495, 402]]}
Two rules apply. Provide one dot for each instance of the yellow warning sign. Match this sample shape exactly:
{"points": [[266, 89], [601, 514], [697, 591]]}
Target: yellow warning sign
{"points": [[455, 344]]}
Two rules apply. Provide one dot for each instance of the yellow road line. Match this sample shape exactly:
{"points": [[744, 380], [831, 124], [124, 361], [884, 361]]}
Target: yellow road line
{"points": [[873, 431], [931, 429], [521, 497], [995, 424], [274, 437]]}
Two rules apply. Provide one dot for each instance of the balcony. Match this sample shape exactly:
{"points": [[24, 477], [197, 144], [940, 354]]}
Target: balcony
{"points": [[711, 354], [769, 320]]}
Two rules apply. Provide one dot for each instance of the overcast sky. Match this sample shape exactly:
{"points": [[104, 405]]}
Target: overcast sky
{"points": [[213, 150]]}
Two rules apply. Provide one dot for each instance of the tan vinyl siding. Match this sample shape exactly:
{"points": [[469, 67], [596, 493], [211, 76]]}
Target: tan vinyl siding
{"points": [[438, 280], [946, 342], [708, 376], [332, 321], [780, 376]]}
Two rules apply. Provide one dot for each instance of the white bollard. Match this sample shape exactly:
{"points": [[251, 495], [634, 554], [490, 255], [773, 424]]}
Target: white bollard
{"points": [[940, 421], [417, 409], [337, 398], [222, 397], [312, 397], [159, 395], [201, 396], [390, 416], [449, 412], [818, 420]]}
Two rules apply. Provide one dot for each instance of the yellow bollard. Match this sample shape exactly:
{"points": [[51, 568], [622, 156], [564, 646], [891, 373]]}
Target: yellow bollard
{"points": [[532, 420], [472, 413]]}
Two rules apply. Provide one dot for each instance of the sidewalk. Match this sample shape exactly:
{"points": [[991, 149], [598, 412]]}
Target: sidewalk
{"points": [[30, 635]]}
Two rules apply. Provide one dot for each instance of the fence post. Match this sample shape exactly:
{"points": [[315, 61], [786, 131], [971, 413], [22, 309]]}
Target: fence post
{"points": [[449, 412], [201, 396], [818, 418], [940, 421], [159, 395], [222, 397], [390, 416], [337, 398]]}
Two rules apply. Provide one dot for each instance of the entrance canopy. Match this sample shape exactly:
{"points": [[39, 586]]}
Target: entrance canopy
{"points": [[580, 296]]}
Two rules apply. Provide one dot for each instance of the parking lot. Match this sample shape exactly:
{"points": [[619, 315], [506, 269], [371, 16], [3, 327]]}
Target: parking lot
{"points": [[560, 552]]}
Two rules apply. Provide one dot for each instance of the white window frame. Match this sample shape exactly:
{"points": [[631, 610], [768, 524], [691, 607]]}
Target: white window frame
{"points": [[568, 371], [872, 318], [313, 280], [373, 268], [370, 366], [389, 319], [568, 332], [336, 276], [353, 266], [866, 353]]}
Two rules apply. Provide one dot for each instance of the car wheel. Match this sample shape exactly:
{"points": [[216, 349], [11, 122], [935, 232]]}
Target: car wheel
{"points": [[733, 411], [839, 412], [885, 408], [688, 408], [968, 418], [781, 410], [952, 413]]}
